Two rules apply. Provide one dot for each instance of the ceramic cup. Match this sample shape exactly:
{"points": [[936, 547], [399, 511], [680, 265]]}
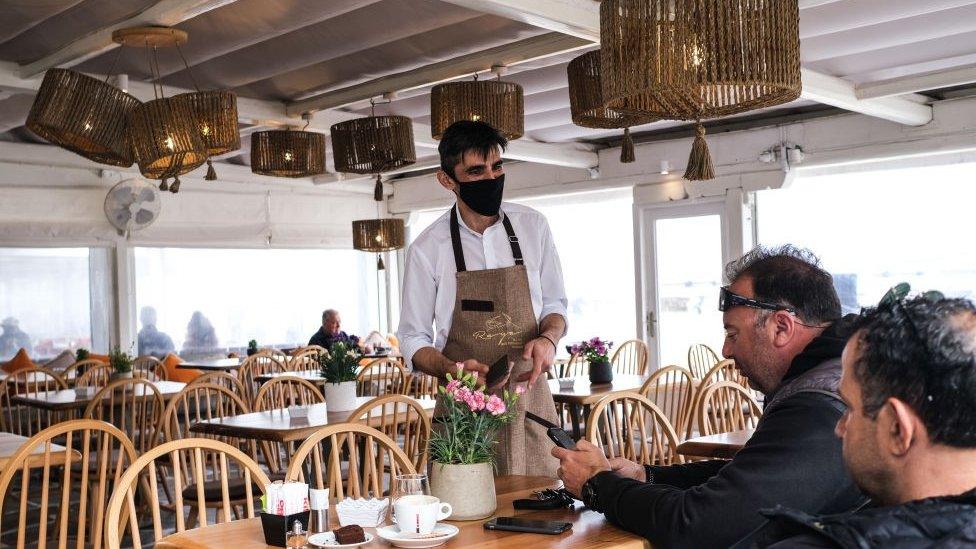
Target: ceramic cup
{"points": [[417, 515]]}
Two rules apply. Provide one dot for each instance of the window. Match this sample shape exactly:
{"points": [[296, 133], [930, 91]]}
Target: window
{"points": [[875, 229], [45, 301], [210, 300]]}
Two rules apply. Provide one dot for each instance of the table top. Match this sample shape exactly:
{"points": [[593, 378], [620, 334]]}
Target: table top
{"points": [[10, 443], [315, 376], [590, 529], [70, 399], [212, 365], [584, 393], [278, 425], [722, 445]]}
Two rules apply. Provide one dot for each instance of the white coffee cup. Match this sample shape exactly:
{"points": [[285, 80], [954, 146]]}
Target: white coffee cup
{"points": [[416, 515]]}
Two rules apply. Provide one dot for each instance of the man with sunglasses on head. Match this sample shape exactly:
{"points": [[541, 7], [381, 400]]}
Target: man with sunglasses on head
{"points": [[783, 329]]}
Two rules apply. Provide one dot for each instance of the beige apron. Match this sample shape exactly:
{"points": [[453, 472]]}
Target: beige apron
{"points": [[493, 316]]}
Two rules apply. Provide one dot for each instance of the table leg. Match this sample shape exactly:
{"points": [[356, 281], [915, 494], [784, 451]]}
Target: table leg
{"points": [[574, 416]]}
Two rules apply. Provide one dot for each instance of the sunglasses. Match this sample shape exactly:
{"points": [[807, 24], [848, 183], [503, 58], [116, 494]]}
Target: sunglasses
{"points": [[727, 300]]}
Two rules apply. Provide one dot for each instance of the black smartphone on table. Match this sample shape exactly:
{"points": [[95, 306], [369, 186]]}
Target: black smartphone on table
{"points": [[515, 524]]}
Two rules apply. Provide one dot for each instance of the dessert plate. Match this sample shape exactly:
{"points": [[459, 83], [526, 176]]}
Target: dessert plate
{"points": [[327, 539], [442, 532]]}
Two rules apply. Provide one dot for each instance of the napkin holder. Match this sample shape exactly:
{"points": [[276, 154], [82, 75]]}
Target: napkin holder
{"points": [[276, 527], [567, 383]]}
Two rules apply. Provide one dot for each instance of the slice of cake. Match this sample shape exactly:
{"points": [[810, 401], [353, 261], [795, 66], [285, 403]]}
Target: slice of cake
{"points": [[349, 534]]}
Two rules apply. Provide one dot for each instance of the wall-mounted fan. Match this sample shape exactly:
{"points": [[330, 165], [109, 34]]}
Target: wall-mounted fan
{"points": [[131, 205]]}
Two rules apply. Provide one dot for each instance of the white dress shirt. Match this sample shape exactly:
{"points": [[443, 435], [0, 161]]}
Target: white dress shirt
{"points": [[430, 286]]}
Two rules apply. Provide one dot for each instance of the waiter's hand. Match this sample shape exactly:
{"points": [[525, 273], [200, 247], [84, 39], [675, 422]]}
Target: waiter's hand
{"points": [[475, 368], [542, 354], [579, 465]]}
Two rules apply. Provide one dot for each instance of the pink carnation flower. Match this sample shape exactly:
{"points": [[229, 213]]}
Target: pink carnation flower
{"points": [[495, 405], [453, 386], [519, 389], [477, 401], [462, 395]]}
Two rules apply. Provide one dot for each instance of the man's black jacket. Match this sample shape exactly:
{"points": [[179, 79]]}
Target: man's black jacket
{"points": [[793, 459]]}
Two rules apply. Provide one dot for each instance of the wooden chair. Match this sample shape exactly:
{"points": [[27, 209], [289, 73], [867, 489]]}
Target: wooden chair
{"points": [[422, 385], [285, 391], [380, 377], [673, 391], [71, 373], [402, 419], [304, 363], [630, 358], [577, 366], [21, 419], [370, 459], [701, 358], [254, 366], [223, 379], [149, 367], [77, 495], [96, 376], [726, 406], [308, 350], [630, 426], [135, 406], [209, 471]]}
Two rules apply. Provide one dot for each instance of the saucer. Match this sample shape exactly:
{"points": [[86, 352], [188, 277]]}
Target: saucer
{"points": [[442, 532], [327, 539]]}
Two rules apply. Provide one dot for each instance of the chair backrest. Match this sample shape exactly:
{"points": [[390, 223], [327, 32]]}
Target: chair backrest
{"points": [[701, 358], [308, 362], [380, 377], [422, 385], [673, 391], [95, 376], [22, 419], [630, 358], [372, 460], [724, 371], [72, 372], [402, 419], [149, 367], [133, 405], [726, 406], [308, 350], [254, 366], [285, 391], [271, 351], [73, 485], [630, 426], [223, 379], [577, 366], [199, 402], [205, 465]]}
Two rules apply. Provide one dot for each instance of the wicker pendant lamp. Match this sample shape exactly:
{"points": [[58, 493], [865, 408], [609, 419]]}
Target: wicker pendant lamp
{"points": [[698, 59], [495, 102], [166, 141], [588, 108], [84, 115], [288, 153], [215, 115]]}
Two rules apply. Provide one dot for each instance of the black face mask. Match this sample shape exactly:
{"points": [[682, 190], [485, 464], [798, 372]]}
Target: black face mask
{"points": [[483, 196]]}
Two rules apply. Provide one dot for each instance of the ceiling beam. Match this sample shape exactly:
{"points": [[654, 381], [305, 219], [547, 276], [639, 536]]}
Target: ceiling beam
{"points": [[807, 4], [572, 17], [913, 83], [163, 12], [841, 93], [529, 49]]}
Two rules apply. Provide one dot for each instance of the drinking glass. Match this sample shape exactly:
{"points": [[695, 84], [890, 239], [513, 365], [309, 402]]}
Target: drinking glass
{"points": [[407, 485]]}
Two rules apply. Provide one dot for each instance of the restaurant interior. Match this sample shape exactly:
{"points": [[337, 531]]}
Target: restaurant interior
{"points": [[191, 190]]}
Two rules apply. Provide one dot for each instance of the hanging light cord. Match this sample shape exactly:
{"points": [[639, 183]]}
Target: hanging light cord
{"points": [[187, 66], [114, 62]]}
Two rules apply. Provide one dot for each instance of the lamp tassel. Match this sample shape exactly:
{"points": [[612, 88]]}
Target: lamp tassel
{"points": [[211, 172], [163, 185], [175, 187], [700, 160], [378, 189], [627, 148], [380, 266]]}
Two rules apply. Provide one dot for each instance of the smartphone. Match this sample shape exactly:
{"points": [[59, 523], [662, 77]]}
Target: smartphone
{"points": [[513, 524], [558, 436], [497, 371]]}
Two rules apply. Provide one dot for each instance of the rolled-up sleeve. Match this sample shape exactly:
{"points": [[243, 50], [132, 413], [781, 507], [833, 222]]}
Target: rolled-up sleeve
{"points": [[417, 302], [551, 275]]}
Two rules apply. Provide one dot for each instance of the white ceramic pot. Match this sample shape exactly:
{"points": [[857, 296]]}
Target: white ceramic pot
{"points": [[340, 397], [469, 488], [122, 375]]}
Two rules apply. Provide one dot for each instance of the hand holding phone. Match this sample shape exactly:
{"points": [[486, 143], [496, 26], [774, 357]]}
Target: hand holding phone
{"points": [[559, 436], [497, 372]]}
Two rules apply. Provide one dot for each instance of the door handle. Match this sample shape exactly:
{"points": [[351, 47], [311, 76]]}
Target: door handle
{"points": [[649, 321]]}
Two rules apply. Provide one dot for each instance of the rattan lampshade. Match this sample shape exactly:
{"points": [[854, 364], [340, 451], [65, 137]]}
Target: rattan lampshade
{"points": [[586, 97], [215, 113], [492, 101], [288, 153], [378, 235], [166, 138], [83, 115], [373, 144]]}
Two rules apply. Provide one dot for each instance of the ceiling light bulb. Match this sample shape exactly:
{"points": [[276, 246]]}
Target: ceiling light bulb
{"points": [[288, 156], [88, 126], [205, 129], [475, 117], [665, 167], [169, 143]]}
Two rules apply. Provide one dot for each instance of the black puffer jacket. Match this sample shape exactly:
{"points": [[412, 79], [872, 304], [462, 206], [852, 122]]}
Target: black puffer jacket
{"points": [[945, 522]]}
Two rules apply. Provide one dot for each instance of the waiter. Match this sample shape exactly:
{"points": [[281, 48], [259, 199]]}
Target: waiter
{"points": [[482, 282]]}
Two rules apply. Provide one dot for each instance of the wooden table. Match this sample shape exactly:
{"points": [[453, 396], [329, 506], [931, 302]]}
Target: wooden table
{"points": [[70, 399], [314, 376], [590, 529], [10, 443], [212, 365], [278, 426], [722, 445], [583, 394]]}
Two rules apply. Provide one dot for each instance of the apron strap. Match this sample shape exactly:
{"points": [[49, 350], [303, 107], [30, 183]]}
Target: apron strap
{"points": [[513, 241]]}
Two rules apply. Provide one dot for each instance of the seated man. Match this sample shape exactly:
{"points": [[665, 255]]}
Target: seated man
{"points": [[782, 328], [330, 333], [909, 434]]}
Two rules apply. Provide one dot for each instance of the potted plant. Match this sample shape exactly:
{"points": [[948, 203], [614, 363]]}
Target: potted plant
{"points": [[121, 363], [252, 347], [462, 461], [338, 366], [596, 351]]}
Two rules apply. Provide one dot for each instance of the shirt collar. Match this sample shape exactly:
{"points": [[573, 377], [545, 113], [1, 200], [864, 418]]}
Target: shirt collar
{"points": [[501, 216]]}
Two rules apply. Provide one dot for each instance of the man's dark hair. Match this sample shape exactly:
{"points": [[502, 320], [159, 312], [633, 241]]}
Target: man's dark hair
{"points": [[922, 352], [789, 276], [467, 135]]}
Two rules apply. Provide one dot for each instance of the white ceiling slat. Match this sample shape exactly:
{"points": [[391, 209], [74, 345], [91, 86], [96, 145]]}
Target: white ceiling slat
{"points": [[164, 12], [917, 82], [853, 14], [838, 92], [54, 10], [572, 17]]}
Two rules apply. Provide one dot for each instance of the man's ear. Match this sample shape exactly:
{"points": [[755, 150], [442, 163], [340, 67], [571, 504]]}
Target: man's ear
{"points": [[899, 427], [445, 180], [784, 327]]}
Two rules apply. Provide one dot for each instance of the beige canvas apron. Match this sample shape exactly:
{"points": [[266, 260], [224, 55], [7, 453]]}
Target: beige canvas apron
{"points": [[493, 316]]}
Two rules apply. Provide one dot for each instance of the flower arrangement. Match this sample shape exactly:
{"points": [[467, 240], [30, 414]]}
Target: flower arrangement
{"points": [[121, 362], [595, 350], [472, 418], [339, 364]]}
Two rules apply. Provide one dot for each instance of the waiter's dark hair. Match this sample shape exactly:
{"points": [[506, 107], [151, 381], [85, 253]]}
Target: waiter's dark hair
{"points": [[467, 135]]}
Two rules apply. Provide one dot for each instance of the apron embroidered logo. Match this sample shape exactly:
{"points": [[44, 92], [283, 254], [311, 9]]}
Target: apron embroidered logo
{"points": [[503, 328]]}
